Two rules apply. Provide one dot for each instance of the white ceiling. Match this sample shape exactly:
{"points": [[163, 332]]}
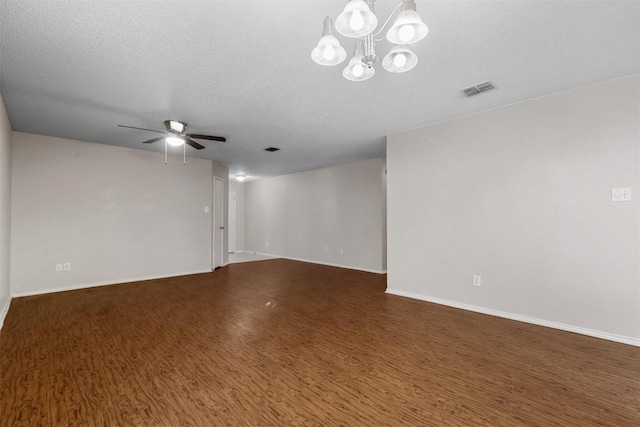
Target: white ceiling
{"points": [[242, 69]]}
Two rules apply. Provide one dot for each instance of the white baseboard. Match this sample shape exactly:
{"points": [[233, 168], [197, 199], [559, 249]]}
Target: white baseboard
{"points": [[5, 310], [520, 318], [322, 263], [96, 284]]}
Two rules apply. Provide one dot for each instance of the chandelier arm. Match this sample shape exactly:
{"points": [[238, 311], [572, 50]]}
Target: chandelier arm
{"points": [[395, 9]]}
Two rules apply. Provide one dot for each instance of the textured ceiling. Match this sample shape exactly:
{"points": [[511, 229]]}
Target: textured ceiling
{"points": [[242, 69]]}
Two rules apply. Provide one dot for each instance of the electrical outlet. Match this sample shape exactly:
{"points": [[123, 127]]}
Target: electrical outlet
{"points": [[206, 209], [477, 281], [341, 251], [58, 267], [267, 243], [326, 248], [67, 266]]}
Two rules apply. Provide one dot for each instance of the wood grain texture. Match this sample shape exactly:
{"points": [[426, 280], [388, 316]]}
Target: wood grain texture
{"points": [[279, 342]]}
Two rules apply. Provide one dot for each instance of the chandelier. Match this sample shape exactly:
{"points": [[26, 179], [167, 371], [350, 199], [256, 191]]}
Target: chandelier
{"points": [[359, 21]]}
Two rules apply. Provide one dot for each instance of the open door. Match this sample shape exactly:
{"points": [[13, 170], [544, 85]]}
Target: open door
{"points": [[218, 223], [232, 222]]}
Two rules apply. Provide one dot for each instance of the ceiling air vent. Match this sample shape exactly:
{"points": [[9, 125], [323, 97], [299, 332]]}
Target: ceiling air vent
{"points": [[271, 149], [478, 89]]}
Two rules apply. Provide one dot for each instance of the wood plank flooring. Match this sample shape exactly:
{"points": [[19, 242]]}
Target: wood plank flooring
{"points": [[285, 343]]}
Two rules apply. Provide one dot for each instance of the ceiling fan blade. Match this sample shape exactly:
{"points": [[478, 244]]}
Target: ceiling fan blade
{"points": [[194, 144], [133, 127], [154, 140], [209, 137]]}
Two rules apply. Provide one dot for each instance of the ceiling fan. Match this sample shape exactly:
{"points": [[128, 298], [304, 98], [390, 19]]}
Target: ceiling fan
{"points": [[175, 135]]}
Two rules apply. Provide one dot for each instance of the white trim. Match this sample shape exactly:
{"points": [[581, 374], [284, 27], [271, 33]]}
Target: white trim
{"points": [[322, 263], [5, 310], [520, 318], [96, 284]]}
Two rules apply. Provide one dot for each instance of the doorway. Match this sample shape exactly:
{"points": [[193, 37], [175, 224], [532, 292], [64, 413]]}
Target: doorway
{"points": [[232, 221], [218, 223]]}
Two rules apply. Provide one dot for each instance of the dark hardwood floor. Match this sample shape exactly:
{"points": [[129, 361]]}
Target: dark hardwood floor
{"points": [[285, 343]]}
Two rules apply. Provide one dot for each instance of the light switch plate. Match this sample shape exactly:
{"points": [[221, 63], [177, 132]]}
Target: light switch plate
{"points": [[621, 194]]}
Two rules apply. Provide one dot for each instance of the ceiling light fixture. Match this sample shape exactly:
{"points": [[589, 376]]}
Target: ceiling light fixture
{"points": [[357, 70], [328, 51], [175, 140], [240, 177], [358, 20], [400, 59]]}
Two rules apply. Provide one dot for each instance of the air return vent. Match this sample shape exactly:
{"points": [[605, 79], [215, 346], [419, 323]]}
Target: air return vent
{"points": [[478, 89]]}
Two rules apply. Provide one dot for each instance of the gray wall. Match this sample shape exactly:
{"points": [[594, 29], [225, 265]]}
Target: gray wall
{"points": [[5, 210], [521, 196], [116, 214], [312, 215]]}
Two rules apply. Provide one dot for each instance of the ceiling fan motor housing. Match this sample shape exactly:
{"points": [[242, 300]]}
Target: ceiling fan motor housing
{"points": [[175, 126]]}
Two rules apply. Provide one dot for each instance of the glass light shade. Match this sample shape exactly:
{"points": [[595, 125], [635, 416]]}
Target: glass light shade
{"points": [[328, 51], [357, 20], [357, 70], [174, 140], [400, 59], [240, 178], [408, 26]]}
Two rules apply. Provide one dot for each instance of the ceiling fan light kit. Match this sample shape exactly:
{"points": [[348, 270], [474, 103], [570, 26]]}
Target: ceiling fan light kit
{"points": [[174, 140], [358, 20]]}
